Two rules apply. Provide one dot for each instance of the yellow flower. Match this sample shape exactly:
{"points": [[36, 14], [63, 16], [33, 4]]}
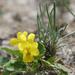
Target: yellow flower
{"points": [[27, 45], [21, 37]]}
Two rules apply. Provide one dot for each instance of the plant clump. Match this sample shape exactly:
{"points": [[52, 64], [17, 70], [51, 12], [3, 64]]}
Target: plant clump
{"points": [[36, 55]]}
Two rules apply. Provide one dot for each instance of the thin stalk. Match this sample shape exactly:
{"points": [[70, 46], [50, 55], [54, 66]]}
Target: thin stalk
{"points": [[50, 28], [38, 27], [70, 11], [65, 5], [54, 14], [49, 17], [42, 18], [68, 35]]}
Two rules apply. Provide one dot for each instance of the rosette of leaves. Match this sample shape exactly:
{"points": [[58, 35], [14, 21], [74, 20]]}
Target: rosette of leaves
{"points": [[49, 34]]}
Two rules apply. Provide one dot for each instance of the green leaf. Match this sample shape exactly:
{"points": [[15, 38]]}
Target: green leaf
{"points": [[14, 65], [61, 67], [51, 60], [57, 66], [19, 65], [11, 51], [35, 65], [3, 60], [9, 66], [62, 73], [5, 72], [42, 49], [17, 73]]}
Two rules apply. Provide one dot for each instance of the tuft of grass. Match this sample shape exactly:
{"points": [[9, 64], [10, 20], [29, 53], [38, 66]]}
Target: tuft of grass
{"points": [[49, 33]]}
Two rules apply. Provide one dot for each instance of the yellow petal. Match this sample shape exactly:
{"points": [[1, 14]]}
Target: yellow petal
{"points": [[21, 47], [22, 36], [25, 33], [35, 44], [25, 51], [19, 35], [34, 52], [13, 41], [28, 58], [31, 37]]}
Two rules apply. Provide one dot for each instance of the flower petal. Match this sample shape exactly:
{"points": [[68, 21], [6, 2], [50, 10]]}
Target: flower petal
{"points": [[22, 36], [34, 52], [13, 41], [25, 33], [35, 44], [28, 58], [21, 47], [19, 35], [31, 37]]}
